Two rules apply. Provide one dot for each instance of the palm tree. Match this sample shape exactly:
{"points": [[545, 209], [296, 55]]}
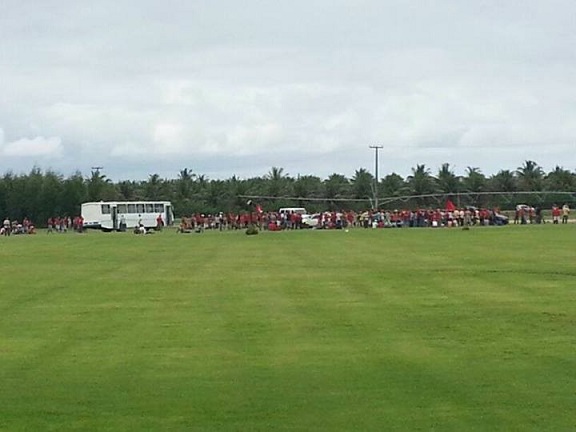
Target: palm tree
{"points": [[51, 195], [560, 180], [530, 176], [393, 185], [74, 193], [98, 186], [32, 194], [446, 181], [307, 186], [335, 186], [216, 196], [152, 187], [202, 181], [362, 184], [128, 190], [421, 181], [237, 187], [277, 182], [503, 181], [185, 182], [474, 181]]}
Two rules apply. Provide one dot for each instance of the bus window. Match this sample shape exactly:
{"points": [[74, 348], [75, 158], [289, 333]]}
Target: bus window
{"points": [[149, 208], [122, 208], [131, 208], [158, 208], [140, 208], [105, 208]]}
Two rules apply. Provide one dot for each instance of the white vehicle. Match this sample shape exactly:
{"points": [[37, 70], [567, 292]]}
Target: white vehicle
{"points": [[322, 220], [115, 215], [290, 210], [306, 217], [309, 221]]}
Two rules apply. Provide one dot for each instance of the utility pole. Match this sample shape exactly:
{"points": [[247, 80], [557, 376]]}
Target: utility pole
{"points": [[376, 148]]}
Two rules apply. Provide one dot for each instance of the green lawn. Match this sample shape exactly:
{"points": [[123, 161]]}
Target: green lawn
{"points": [[370, 330]]}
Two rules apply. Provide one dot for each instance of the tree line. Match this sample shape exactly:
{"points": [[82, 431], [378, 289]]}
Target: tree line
{"points": [[39, 194]]}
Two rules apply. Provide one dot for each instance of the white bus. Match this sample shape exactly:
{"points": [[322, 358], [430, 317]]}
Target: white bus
{"points": [[111, 215]]}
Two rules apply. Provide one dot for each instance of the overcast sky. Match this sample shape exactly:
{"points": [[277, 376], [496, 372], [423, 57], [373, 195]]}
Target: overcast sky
{"points": [[229, 87]]}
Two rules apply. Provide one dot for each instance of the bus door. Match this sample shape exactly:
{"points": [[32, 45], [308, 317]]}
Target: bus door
{"points": [[114, 214], [169, 215]]}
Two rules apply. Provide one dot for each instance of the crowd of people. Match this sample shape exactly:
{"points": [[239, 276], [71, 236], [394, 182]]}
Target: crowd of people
{"points": [[15, 227], [63, 224], [139, 228], [525, 214], [290, 220], [558, 212], [275, 221], [421, 218], [233, 221], [53, 225]]}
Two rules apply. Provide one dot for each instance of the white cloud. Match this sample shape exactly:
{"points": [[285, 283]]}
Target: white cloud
{"points": [[32, 148], [168, 137]]}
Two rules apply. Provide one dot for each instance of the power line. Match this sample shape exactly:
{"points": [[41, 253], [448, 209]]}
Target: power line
{"points": [[390, 199]]}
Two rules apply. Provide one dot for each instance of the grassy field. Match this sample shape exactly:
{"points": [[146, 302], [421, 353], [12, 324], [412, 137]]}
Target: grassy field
{"points": [[371, 330]]}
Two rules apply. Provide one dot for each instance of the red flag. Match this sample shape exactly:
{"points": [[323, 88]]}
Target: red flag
{"points": [[450, 206]]}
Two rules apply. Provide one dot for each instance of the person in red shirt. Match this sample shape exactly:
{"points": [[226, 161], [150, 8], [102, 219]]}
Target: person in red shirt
{"points": [[294, 220], [556, 212]]}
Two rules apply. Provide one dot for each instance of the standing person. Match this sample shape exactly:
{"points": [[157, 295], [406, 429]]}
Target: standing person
{"points": [[565, 213], [522, 215], [64, 224], [122, 223], [461, 215], [555, 214], [159, 223], [467, 217], [221, 221]]}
